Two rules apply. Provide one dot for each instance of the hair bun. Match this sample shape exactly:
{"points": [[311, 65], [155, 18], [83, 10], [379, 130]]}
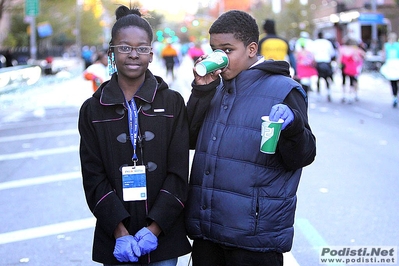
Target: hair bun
{"points": [[122, 11]]}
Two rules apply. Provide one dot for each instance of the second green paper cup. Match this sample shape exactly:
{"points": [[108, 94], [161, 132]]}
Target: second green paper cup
{"points": [[270, 134]]}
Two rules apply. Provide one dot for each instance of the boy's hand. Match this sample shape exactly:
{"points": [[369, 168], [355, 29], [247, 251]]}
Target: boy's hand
{"points": [[281, 111], [208, 78]]}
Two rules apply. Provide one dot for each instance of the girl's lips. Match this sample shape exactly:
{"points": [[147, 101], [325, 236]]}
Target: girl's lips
{"points": [[132, 66]]}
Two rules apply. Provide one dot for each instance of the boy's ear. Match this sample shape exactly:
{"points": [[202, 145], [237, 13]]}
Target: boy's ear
{"points": [[253, 49]]}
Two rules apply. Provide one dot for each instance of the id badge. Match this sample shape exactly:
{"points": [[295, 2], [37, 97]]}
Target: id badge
{"points": [[134, 185]]}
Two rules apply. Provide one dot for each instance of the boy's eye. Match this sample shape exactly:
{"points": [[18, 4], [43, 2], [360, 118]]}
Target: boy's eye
{"points": [[226, 50]]}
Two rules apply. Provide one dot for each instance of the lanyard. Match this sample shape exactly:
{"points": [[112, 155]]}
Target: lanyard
{"points": [[133, 126]]}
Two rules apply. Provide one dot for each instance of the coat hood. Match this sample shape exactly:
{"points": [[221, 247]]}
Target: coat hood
{"points": [[274, 67], [262, 68]]}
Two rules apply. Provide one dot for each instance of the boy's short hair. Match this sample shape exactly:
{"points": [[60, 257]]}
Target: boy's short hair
{"points": [[239, 23]]}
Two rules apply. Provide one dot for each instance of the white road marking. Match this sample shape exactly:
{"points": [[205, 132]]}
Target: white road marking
{"points": [[47, 230], [39, 180], [37, 153], [40, 135]]}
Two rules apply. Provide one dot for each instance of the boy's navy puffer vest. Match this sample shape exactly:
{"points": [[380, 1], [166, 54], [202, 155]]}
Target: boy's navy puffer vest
{"points": [[248, 199]]}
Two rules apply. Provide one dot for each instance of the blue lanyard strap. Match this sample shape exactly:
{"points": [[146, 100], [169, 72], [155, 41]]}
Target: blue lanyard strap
{"points": [[133, 126]]}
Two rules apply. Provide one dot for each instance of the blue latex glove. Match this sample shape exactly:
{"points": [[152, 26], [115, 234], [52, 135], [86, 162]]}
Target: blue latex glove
{"points": [[126, 248], [146, 240], [281, 111]]}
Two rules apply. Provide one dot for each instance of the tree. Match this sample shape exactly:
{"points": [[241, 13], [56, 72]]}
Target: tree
{"points": [[261, 12], [93, 20], [293, 18], [297, 16], [155, 19], [19, 36], [90, 27], [62, 17], [4, 5]]}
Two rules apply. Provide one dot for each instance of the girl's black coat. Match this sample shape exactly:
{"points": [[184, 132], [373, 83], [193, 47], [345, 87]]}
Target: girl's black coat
{"points": [[162, 146]]}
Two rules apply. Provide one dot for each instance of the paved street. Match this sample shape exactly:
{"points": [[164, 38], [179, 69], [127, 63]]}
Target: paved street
{"points": [[347, 197]]}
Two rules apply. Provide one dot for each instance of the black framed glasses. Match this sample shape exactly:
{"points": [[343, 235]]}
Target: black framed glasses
{"points": [[127, 49]]}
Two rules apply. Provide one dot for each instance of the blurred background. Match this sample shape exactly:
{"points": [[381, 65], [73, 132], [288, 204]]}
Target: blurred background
{"points": [[64, 28]]}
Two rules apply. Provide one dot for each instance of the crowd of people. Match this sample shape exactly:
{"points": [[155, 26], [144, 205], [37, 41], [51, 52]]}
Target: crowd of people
{"points": [[315, 60]]}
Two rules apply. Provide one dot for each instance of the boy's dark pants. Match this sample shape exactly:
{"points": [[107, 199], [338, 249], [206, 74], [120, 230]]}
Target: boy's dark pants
{"points": [[207, 253]]}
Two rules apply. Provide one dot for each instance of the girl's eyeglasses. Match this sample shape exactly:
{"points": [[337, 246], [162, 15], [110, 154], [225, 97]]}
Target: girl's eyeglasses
{"points": [[127, 49]]}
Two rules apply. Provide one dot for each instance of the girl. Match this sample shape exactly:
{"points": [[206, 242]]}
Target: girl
{"points": [[351, 57], [134, 155], [390, 68]]}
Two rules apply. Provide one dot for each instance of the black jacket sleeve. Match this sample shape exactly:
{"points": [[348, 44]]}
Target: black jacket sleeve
{"points": [[100, 195], [197, 105], [169, 203], [297, 145]]}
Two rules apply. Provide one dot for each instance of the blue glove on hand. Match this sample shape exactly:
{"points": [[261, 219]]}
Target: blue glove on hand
{"points": [[126, 248], [146, 240], [281, 111]]}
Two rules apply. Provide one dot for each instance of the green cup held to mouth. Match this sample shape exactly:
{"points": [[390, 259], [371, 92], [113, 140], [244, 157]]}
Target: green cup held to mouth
{"points": [[215, 60]]}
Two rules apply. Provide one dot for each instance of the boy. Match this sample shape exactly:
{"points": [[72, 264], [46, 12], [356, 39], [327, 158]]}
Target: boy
{"points": [[241, 202]]}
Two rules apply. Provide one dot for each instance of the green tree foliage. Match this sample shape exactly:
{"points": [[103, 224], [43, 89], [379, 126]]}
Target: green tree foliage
{"points": [[297, 17], [91, 29], [18, 35], [155, 19], [293, 18], [64, 17], [261, 12], [5, 5]]}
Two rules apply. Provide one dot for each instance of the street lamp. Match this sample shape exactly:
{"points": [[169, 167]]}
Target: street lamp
{"points": [[31, 11], [374, 36], [79, 4]]}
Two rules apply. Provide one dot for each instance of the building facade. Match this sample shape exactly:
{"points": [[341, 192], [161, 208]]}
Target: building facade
{"points": [[367, 21]]}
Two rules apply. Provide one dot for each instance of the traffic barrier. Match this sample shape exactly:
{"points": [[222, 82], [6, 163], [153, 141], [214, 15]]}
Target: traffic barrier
{"points": [[12, 77]]}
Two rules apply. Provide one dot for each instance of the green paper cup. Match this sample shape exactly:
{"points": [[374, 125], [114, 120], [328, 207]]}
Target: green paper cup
{"points": [[215, 60], [270, 133]]}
